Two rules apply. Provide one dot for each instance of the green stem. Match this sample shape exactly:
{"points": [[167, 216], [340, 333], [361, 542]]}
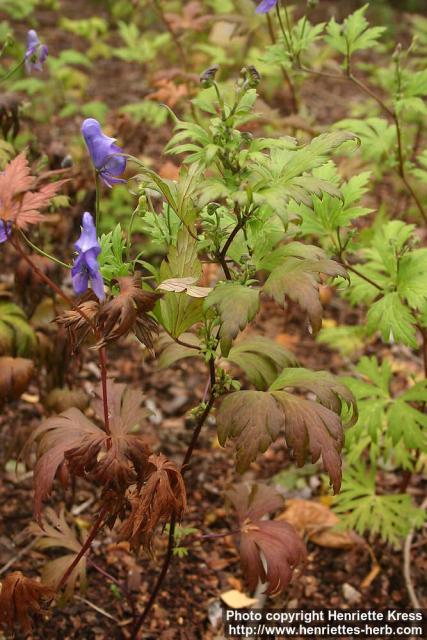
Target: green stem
{"points": [[12, 71], [43, 253]]}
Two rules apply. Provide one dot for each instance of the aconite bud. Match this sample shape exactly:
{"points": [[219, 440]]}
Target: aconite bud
{"points": [[208, 77]]}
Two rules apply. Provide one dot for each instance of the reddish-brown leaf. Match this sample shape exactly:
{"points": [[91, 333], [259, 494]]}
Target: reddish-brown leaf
{"points": [[254, 419], [18, 204], [128, 311], [15, 376], [115, 460], [21, 597], [79, 326], [160, 498], [269, 550]]}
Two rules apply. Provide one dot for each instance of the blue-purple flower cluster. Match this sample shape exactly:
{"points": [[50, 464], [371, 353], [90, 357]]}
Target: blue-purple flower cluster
{"points": [[86, 268], [36, 52], [103, 152], [266, 6]]}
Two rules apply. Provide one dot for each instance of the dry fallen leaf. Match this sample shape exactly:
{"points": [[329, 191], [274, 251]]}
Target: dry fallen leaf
{"points": [[237, 600], [318, 523]]}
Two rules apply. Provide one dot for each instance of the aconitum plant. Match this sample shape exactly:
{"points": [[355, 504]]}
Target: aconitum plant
{"points": [[217, 210]]}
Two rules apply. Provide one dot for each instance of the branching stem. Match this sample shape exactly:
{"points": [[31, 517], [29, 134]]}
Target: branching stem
{"points": [[171, 539]]}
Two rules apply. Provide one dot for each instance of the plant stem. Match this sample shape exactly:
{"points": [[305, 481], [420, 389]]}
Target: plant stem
{"points": [[86, 546], [171, 539], [362, 275], [12, 71], [69, 301], [286, 76], [43, 253]]}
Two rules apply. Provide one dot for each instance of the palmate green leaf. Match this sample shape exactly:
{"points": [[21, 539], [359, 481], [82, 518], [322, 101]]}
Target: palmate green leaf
{"points": [[261, 359], [377, 138], [283, 174], [16, 335], [420, 171], [386, 419], [328, 213], [411, 278], [348, 340], [354, 34], [254, 419], [177, 312], [393, 319], [299, 278], [360, 508], [237, 305]]}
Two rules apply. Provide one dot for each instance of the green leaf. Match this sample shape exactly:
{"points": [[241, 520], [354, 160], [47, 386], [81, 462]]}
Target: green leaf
{"points": [[237, 305], [354, 34], [261, 359], [179, 312], [16, 335], [171, 351], [393, 320], [362, 509], [299, 279]]}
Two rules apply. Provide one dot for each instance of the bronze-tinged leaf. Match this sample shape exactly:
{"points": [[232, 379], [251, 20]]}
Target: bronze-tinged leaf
{"points": [[115, 459], [254, 419], [161, 497], [128, 311], [18, 203], [299, 279], [15, 376], [270, 551], [79, 327], [312, 431], [55, 533], [21, 597], [237, 305]]}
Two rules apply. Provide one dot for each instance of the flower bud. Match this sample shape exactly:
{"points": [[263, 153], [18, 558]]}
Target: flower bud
{"points": [[207, 78]]}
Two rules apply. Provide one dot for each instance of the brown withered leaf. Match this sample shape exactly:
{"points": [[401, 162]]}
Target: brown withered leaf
{"points": [[114, 459], [15, 376], [19, 204], [161, 497], [168, 92], [78, 327], [56, 533], [192, 18], [318, 523], [312, 429], [128, 311], [21, 597], [275, 542]]}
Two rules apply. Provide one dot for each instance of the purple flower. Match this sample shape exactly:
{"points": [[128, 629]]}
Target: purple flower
{"points": [[266, 6], [86, 267], [4, 231], [36, 52], [102, 150]]}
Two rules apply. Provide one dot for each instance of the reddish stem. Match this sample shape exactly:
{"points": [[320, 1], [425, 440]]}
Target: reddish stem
{"points": [[86, 546]]}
